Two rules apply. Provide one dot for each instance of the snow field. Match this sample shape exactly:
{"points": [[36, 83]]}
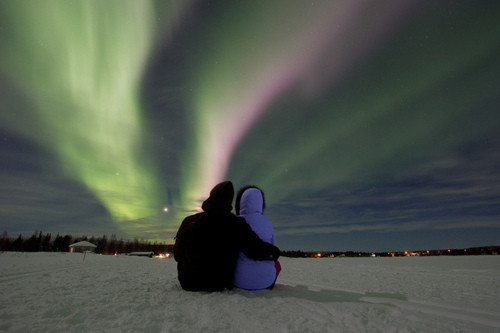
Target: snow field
{"points": [[56, 292]]}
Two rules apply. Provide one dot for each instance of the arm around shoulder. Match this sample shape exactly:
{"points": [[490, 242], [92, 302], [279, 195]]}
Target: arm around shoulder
{"points": [[251, 244]]}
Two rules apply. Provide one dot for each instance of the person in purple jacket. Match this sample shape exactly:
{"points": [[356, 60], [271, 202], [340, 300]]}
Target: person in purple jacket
{"points": [[251, 274]]}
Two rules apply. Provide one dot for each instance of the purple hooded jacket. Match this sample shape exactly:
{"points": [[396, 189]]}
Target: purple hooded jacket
{"points": [[252, 274]]}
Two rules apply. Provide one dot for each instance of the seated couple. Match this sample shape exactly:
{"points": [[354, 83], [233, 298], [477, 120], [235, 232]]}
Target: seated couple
{"points": [[216, 249]]}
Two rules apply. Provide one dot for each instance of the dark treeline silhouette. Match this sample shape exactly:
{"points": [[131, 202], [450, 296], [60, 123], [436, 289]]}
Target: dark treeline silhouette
{"points": [[39, 242], [482, 250]]}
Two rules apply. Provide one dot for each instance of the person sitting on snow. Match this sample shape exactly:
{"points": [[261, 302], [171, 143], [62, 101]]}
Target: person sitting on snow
{"points": [[207, 244], [251, 274]]}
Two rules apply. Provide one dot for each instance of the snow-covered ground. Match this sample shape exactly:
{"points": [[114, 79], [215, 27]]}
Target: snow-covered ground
{"points": [[60, 292]]}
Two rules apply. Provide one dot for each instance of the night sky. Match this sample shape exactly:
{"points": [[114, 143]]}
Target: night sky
{"points": [[370, 125]]}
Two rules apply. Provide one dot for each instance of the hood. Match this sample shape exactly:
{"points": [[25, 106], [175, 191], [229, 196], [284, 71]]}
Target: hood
{"points": [[220, 199], [251, 202]]}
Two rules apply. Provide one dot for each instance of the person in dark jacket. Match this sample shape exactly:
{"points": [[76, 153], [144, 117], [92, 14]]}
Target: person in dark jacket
{"points": [[207, 244]]}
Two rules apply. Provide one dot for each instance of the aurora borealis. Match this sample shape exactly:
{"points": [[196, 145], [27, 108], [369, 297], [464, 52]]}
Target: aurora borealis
{"points": [[369, 125]]}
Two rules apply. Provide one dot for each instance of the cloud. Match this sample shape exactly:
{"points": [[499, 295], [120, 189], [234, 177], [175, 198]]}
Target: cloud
{"points": [[31, 202], [457, 191]]}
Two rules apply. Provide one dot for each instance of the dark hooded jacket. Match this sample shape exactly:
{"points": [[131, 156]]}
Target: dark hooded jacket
{"points": [[207, 244]]}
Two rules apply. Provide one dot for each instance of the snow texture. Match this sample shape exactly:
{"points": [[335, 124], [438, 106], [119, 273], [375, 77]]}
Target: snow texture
{"points": [[61, 292]]}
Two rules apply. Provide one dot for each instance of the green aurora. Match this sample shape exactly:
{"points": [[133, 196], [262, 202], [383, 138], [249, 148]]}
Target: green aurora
{"points": [[366, 105], [80, 65]]}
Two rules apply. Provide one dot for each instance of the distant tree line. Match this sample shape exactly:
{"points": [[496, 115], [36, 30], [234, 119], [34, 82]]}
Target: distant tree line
{"points": [[482, 250], [39, 242]]}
